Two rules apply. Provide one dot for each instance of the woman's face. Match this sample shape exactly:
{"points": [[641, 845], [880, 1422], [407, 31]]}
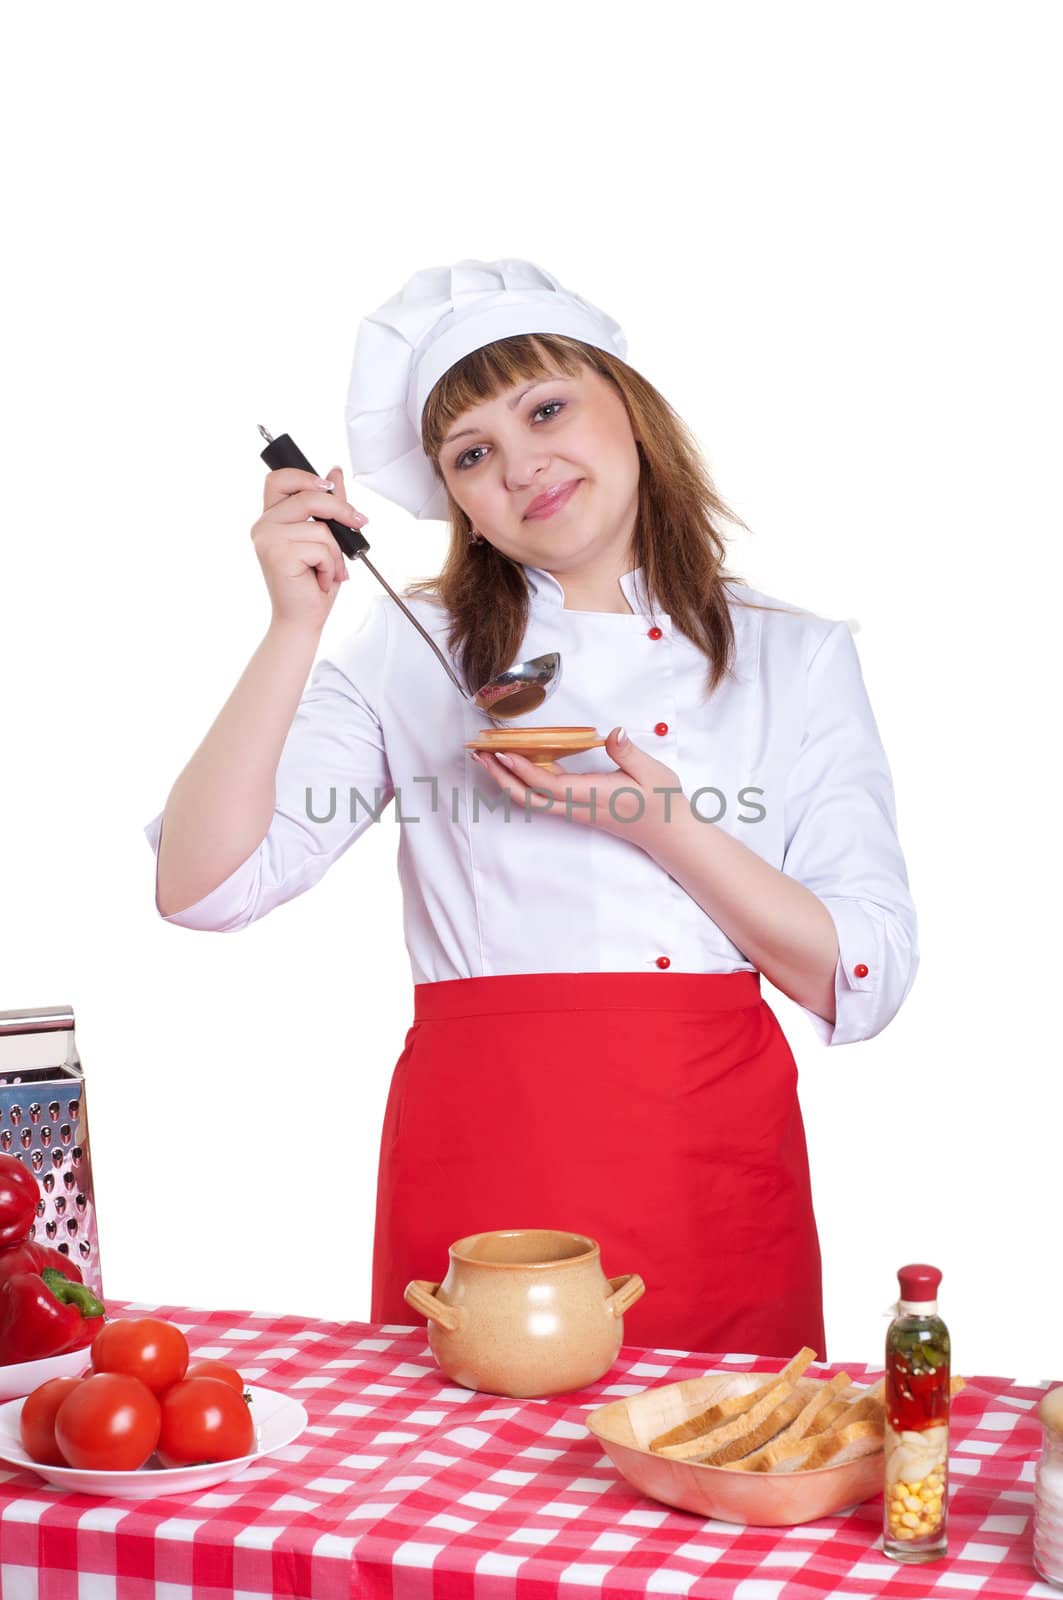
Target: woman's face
{"points": [[499, 457]]}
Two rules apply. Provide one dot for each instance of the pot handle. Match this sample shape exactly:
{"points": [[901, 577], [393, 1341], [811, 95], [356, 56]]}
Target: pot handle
{"points": [[421, 1294], [626, 1290]]}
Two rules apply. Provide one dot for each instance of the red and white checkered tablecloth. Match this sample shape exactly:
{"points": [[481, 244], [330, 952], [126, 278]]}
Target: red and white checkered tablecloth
{"points": [[405, 1487]]}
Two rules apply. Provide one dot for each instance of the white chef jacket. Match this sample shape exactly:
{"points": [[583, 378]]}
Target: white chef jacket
{"points": [[786, 756]]}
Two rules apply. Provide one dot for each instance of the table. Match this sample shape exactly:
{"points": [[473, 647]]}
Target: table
{"points": [[405, 1487]]}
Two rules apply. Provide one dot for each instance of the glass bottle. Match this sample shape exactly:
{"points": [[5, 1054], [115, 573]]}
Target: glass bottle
{"points": [[1048, 1504], [915, 1507]]}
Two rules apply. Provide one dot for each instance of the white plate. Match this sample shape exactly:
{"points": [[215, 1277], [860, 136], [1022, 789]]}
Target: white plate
{"points": [[23, 1377], [278, 1421]]}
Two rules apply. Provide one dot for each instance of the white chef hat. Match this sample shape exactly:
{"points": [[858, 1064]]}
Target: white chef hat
{"points": [[404, 348]]}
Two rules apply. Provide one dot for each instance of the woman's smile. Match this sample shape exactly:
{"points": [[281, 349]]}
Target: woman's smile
{"points": [[545, 505]]}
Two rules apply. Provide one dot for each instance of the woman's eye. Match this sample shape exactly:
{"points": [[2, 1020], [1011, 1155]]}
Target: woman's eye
{"points": [[460, 463]]}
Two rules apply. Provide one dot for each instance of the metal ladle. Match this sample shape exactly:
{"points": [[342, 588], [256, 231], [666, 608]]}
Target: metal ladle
{"points": [[513, 693]]}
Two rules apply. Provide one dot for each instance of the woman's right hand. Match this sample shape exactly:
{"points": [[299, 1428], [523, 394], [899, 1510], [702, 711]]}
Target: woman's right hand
{"points": [[301, 561]]}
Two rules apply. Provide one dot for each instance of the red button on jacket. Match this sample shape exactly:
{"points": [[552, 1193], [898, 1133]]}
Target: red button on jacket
{"points": [[655, 633], [860, 971], [661, 728], [663, 962]]}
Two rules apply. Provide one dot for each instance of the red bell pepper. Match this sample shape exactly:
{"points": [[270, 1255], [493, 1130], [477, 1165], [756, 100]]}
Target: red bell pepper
{"points": [[44, 1314], [29, 1256], [19, 1197]]}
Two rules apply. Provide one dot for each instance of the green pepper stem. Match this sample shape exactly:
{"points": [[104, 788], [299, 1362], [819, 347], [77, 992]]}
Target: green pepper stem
{"points": [[69, 1293]]}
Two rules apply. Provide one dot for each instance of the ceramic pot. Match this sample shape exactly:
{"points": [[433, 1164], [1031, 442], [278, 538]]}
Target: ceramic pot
{"points": [[525, 1312]]}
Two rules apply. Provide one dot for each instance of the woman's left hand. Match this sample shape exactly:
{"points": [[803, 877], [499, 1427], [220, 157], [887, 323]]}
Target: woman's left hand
{"points": [[635, 803]]}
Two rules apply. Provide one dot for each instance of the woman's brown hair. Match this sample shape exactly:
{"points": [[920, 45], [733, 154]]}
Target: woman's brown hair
{"points": [[677, 539]]}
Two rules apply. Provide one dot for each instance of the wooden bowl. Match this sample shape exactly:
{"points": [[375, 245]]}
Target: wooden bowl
{"points": [[758, 1499], [542, 746]]}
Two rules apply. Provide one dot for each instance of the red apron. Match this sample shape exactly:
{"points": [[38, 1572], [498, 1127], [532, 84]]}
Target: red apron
{"points": [[657, 1114]]}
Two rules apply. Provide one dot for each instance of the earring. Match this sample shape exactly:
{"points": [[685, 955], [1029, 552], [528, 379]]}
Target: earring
{"points": [[476, 538]]}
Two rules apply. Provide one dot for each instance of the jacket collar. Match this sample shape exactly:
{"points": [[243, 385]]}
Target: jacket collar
{"points": [[545, 590]]}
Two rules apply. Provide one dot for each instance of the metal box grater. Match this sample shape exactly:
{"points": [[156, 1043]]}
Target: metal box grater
{"points": [[43, 1122]]}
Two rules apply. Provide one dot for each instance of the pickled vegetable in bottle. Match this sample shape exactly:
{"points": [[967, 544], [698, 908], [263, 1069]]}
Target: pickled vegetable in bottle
{"points": [[917, 1422]]}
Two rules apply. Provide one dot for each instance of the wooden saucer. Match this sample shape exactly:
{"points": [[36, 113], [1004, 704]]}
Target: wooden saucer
{"points": [[541, 746]]}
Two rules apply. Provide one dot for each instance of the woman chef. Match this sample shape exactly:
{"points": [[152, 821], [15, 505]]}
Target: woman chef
{"points": [[589, 1048]]}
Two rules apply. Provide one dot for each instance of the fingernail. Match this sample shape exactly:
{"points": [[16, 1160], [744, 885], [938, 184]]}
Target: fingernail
{"points": [[507, 761], [621, 736], [326, 483]]}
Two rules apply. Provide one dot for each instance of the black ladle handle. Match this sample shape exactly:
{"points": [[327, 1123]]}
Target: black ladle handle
{"points": [[284, 452]]}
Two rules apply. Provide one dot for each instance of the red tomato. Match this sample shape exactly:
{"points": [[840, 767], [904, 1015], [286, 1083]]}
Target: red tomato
{"points": [[37, 1420], [204, 1420], [217, 1369], [108, 1423], [142, 1347]]}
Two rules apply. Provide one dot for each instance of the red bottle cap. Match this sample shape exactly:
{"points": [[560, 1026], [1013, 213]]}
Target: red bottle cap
{"points": [[919, 1282]]}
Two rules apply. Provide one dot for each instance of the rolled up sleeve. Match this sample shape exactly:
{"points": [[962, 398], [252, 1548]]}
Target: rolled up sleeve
{"points": [[333, 781], [841, 842]]}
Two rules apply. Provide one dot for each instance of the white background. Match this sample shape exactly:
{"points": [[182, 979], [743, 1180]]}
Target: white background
{"points": [[828, 231]]}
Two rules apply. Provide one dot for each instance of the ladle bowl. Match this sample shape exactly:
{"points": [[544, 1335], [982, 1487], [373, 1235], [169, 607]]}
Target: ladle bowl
{"points": [[521, 689]]}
